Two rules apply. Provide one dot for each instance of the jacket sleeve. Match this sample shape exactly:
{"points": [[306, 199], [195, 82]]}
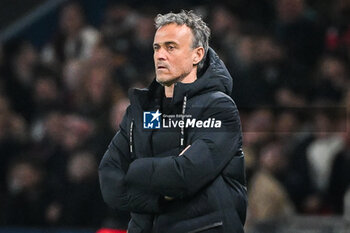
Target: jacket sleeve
{"points": [[112, 170], [209, 153]]}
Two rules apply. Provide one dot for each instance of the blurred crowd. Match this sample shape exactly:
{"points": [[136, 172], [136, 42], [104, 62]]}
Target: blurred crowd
{"points": [[61, 104]]}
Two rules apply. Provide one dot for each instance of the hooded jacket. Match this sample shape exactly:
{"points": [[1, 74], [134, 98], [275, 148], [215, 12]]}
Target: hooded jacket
{"points": [[206, 183]]}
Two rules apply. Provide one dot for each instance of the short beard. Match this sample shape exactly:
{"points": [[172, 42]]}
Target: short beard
{"points": [[175, 80]]}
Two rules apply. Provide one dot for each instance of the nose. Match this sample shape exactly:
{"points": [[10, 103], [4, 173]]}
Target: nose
{"points": [[159, 54]]}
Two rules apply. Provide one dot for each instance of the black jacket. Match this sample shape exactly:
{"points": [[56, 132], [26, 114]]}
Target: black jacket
{"points": [[207, 183]]}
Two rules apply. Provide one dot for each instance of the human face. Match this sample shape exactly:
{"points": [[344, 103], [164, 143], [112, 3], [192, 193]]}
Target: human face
{"points": [[173, 54]]}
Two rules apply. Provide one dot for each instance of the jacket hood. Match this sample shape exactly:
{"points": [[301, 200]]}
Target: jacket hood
{"points": [[214, 76]]}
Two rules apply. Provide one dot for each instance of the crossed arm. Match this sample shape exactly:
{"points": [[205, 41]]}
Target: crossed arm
{"points": [[138, 185]]}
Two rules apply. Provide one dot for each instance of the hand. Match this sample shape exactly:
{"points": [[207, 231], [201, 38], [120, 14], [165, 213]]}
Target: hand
{"points": [[171, 198]]}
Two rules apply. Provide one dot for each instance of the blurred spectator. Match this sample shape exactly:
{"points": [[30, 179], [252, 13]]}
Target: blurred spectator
{"points": [[268, 197], [320, 156], [120, 19], [75, 39], [338, 32], [77, 131], [340, 177], [142, 48], [46, 93], [331, 80], [13, 126], [286, 97], [103, 134], [52, 129], [27, 198], [93, 99], [47, 146], [225, 30], [71, 76], [242, 61], [287, 123], [19, 76], [258, 128], [80, 203], [101, 55], [257, 131], [292, 133], [265, 70], [277, 72], [244, 52], [118, 35], [296, 29], [13, 138]]}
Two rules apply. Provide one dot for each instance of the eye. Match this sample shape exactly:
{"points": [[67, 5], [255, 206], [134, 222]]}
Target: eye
{"points": [[171, 47], [155, 47]]}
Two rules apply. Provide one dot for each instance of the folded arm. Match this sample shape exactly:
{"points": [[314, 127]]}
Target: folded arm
{"points": [[112, 170], [209, 153]]}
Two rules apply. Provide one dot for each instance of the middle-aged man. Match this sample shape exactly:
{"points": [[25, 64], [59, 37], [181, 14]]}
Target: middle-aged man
{"points": [[179, 177]]}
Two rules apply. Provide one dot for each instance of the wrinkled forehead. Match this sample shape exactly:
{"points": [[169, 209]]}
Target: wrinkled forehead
{"points": [[173, 32]]}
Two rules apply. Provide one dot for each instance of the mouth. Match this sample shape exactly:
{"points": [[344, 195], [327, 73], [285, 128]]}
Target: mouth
{"points": [[161, 67]]}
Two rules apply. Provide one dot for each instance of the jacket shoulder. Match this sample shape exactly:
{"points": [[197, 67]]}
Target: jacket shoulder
{"points": [[212, 98], [220, 95]]}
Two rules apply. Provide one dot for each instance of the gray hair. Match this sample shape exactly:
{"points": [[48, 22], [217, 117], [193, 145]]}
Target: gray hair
{"points": [[200, 30]]}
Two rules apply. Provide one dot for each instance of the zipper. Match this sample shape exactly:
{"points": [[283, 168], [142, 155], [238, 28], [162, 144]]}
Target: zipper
{"points": [[216, 224], [131, 137], [182, 138]]}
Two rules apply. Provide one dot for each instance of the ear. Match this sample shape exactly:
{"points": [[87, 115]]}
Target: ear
{"points": [[198, 55]]}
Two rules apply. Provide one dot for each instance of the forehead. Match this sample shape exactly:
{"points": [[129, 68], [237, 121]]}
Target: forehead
{"points": [[173, 32]]}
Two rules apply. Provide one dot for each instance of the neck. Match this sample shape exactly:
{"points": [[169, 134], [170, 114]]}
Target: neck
{"points": [[169, 91], [190, 78]]}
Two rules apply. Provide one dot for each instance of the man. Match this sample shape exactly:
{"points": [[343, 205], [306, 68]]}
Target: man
{"points": [[188, 178]]}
